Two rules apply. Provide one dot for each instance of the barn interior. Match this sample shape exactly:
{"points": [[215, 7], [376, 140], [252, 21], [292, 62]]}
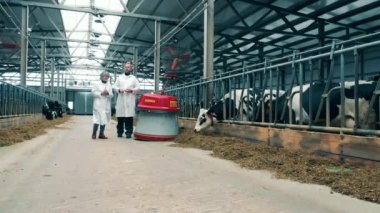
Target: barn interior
{"points": [[59, 47], [197, 51], [53, 52]]}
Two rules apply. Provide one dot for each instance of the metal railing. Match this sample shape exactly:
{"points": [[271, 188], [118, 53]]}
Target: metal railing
{"points": [[20, 101], [301, 69]]}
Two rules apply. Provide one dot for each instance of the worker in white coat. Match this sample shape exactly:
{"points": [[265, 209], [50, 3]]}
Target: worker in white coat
{"points": [[126, 86], [102, 92]]}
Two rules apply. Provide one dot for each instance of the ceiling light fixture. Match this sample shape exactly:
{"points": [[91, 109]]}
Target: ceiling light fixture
{"points": [[99, 21]]}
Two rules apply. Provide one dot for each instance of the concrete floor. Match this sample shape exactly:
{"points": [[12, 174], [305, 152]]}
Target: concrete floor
{"points": [[66, 171]]}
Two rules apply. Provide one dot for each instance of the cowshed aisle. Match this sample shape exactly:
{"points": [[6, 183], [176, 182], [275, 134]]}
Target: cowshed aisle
{"points": [[66, 171]]}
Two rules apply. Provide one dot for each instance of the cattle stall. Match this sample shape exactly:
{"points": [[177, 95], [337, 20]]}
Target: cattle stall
{"points": [[297, 92], [20, 102]]}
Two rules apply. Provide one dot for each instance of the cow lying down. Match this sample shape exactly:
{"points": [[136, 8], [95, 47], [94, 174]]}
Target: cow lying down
{"points": [[52, 110]]}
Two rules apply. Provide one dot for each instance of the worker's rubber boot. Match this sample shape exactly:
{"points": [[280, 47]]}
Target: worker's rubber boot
{"points": [[101, 133], [94, 130]]}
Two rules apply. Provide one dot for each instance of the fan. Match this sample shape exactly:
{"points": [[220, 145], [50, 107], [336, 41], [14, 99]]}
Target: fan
{"points": [[177, 57]]}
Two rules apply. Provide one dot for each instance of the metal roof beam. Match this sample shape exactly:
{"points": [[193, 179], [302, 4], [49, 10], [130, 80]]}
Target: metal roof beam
{"points": [[366, 20], [89, 10], [86, 41], [283, 17], [261, 23], [297, 21], [57, 28], [138, 6], [356, 11], [237, 13], [314, 15]]}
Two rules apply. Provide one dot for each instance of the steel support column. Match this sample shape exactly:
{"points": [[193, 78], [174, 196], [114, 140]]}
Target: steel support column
{"points": [[135, 60], [64, 91], [52, 79], [208, 51], [57, 96], [157, 56], [321, 41], [24, 44], [63, 87], [42, 65]]}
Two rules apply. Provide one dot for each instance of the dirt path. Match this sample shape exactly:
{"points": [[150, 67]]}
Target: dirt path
{"points": [[65, 171]]}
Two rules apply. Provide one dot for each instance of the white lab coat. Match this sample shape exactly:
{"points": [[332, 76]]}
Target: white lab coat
{"points": [[102, 104], [125, 103]]}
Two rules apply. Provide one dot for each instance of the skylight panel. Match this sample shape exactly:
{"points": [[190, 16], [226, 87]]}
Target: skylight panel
{"points": [[93, 31], [304, 24], [74, 20], [111, 5], [77, 3]]}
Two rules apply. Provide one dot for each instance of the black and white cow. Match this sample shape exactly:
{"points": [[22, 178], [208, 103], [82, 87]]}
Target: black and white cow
{"points": [[52, 110], [48, 112], [241, 105], [365, 91], [315, 91], [58, 109]]}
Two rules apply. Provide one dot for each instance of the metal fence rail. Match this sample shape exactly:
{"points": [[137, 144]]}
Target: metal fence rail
{"points": [[19, 101], [301, 67]]}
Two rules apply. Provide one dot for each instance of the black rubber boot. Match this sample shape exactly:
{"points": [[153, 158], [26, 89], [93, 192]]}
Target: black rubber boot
{"points": [[94, 130], [101, 133], [129, 126], [120, 126]]}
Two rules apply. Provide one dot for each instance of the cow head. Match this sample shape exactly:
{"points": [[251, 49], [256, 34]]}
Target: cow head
{"points": [[204, 120], [364, 108], [280, 100], [45, 109]]}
